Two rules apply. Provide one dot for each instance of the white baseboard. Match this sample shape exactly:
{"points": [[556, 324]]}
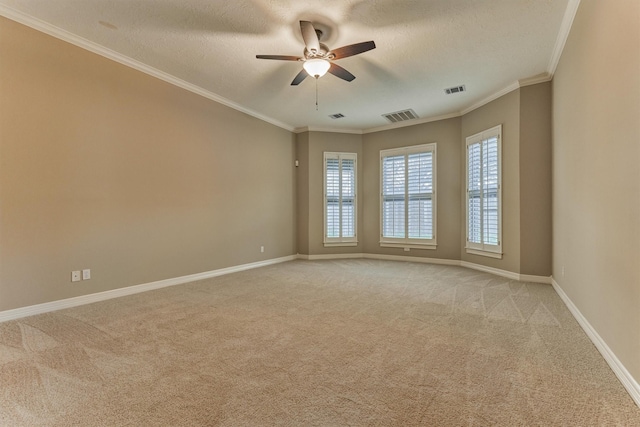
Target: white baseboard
{"points": [[498, 272], [440, 261], [413, 259], [379, 256], [130, 290], [536, 279], [330, 256], [508, 274], [627, 380]]}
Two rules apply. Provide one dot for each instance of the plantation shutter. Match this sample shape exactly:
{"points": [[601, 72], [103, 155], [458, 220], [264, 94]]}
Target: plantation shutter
{"points": [[340, 197], [332, 186], [393, 178], [348, 194], [483, 191], [490, 186], [475, 189], [420, 188], [407, 196]]}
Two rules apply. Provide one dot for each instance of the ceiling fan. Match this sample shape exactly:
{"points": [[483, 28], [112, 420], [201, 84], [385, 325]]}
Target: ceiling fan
{"points": [[317, 58]]}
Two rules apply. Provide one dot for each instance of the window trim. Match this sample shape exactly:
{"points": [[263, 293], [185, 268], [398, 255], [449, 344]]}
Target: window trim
{"points": [[340, 241], [484, 249], [407, 242]]}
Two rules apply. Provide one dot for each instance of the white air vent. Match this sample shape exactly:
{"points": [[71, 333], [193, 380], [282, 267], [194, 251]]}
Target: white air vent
{"points": [[400, 116], [336, 116], [455, 89]]}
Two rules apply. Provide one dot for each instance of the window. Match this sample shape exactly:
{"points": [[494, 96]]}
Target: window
{"points": [[340, 199], [484, 198], [408, 197]]}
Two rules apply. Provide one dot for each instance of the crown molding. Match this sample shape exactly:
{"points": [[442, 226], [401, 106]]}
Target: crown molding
{"points": [[333, 130], [563, 34], [414, 122], [85, 44], [513, 86], [379, 128], [534, 80], [538, 78]]}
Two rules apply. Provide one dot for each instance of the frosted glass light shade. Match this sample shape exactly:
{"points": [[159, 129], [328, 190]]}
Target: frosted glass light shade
{"points": [[316, 67]]}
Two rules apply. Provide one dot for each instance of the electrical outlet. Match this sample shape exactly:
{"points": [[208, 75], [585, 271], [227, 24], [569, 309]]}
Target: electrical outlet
{"points": [[261, 248], [86, 274], [75, 276], [407, 249]]}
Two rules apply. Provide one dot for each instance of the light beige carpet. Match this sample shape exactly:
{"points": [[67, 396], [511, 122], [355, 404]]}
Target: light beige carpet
{"points": [[327, 343]]}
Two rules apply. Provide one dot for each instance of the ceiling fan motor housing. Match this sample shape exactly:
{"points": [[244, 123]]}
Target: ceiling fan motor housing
{"points": [[323, 53]]}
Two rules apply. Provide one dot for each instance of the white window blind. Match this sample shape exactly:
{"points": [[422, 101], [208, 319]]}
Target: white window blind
{"points": [[340, 198], [484, 221], [408, 196]]}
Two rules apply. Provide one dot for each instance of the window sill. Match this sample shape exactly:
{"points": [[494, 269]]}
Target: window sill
{"points": [[337, 244], [497, 255], [429, 246]]}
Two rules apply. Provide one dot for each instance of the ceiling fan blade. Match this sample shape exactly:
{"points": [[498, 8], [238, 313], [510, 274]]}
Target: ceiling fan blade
{"points": [[352, 49], [279, 57], [338, 71], [309, 36], [299, 78]]}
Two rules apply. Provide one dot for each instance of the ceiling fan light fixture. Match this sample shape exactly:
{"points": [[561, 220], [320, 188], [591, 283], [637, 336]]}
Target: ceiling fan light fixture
{"points": [[316, 67]]}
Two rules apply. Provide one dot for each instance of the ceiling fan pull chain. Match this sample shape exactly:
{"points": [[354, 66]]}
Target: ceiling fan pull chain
{"points": [[316, 93]]}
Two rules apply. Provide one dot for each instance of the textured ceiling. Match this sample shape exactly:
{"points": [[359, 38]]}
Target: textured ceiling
{"points": [[423, 47]]}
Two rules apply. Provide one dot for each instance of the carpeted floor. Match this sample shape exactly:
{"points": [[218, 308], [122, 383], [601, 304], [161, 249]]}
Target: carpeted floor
{"points": [[326, 343]]}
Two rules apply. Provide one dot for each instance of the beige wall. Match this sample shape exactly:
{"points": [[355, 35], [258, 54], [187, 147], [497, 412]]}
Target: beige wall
{"points": [[596, 178], [106, 168], [446, 134], [525, 116], [302, 188], [311, 147], [535, 179], [505, 111]]}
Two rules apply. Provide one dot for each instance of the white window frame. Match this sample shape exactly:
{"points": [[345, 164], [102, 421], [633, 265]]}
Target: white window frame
{"points": [[484, 249], [341, 241], [408, 242]]}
